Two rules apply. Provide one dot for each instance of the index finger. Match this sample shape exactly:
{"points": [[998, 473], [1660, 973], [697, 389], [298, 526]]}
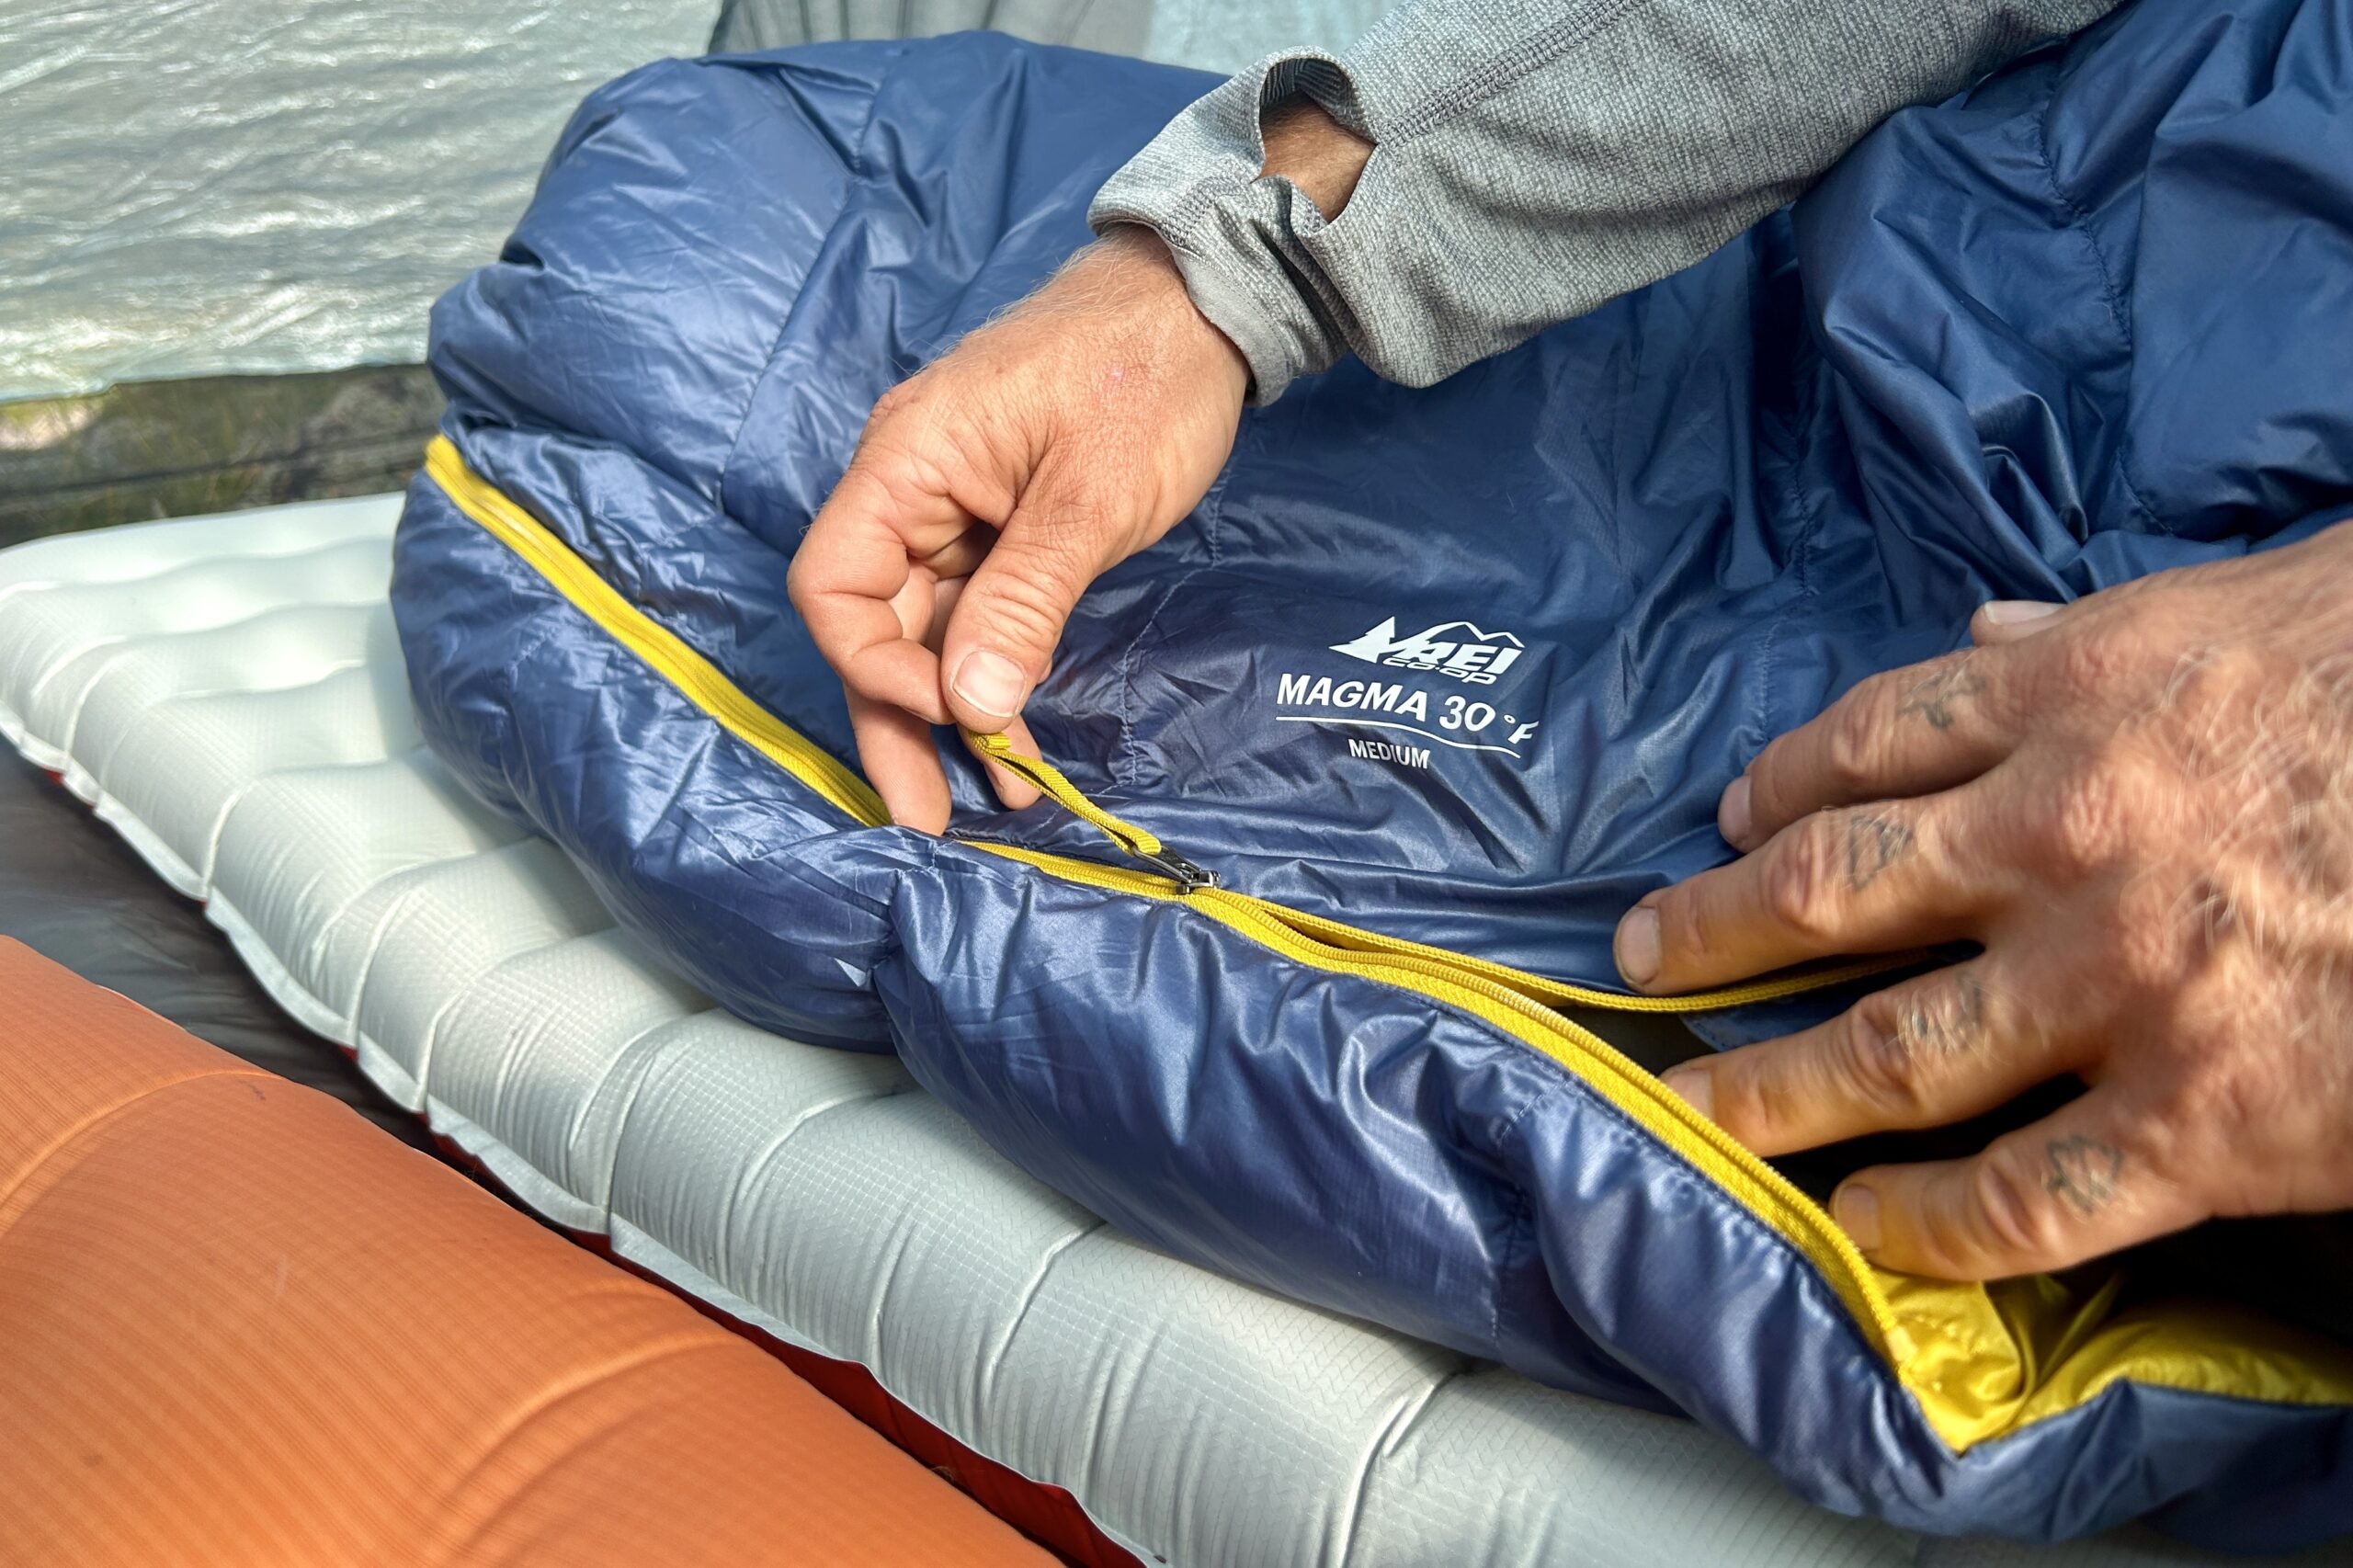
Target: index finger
{"points": [[1906, 731], [896, 748], [1874, 878], [2083, 1182], [850, 579]]}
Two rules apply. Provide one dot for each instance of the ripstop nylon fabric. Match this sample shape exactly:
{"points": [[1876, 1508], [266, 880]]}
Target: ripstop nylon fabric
{"points": [[1466, 665]]}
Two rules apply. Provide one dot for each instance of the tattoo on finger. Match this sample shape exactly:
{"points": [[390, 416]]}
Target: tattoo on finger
{"points": [[1935, 697], [1946, 1029], [1873, 844], [2083, 1171]]}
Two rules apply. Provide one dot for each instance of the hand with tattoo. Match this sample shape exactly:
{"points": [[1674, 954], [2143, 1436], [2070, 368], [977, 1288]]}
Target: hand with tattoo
{"points": [[2140, 807]]}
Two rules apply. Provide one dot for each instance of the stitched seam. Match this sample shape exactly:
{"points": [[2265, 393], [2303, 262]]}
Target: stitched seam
{"points": [[1505, 72], [1522, 1221], [1125, 763], [858, 182], [2080, 223], [1801, 550]]}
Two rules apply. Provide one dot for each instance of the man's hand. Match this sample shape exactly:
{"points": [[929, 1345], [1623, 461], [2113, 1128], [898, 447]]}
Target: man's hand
{"points": [[992, 488], [2142, 807], [989, 490]]}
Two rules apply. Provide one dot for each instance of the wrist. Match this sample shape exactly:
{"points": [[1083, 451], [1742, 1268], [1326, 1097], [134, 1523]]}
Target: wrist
{"points": [[1306, 146], [1138, 263]]}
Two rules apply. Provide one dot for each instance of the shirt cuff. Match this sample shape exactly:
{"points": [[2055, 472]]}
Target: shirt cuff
{"points": [[1235, 234]]}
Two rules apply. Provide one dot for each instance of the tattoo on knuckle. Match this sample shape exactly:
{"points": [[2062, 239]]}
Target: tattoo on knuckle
{"points": [[1881, 1061], [2081, 1170], [1937, 698], [1945, 1020], [1873, 842]]}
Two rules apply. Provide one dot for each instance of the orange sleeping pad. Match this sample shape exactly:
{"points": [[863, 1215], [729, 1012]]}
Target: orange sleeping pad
{"points": [[239, 1326]]}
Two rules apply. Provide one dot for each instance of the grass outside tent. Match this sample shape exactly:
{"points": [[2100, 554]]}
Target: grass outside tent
{"points": [[146, 449]]}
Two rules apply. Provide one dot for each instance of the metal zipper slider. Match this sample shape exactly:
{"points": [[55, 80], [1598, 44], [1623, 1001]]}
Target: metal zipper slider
{"points": [[1188, 877]]}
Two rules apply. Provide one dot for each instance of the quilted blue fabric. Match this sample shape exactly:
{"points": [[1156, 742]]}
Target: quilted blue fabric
{"points": [[1467, 665]]}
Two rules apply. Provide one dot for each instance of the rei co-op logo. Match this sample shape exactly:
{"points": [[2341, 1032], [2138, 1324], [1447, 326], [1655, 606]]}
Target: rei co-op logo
{"points": [[1409, 711], [1458, 649]]}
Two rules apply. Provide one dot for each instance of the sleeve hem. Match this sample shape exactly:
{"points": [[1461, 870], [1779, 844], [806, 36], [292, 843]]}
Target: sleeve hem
{"points": [[1232, 230]]}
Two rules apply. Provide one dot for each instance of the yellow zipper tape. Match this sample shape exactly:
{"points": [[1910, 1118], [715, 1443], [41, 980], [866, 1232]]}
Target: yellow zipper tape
{"points": [[998, 748], [661, 648], [1989, 1366], [1138, 842], [1518, 1002], [1507, 997]]}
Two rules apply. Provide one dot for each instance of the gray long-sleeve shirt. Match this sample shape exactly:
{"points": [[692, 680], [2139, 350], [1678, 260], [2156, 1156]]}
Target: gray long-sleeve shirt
{"points": [[1532, 159]]}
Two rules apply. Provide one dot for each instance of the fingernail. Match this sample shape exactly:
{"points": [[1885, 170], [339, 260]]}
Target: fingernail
{"points": [[1692, 1084], [2014, 612], [1857, 1210], [1732, 813], [990, 682], [1638, 946]]}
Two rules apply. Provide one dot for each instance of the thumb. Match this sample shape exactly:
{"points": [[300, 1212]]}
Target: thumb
{"points": [[1000, 638]]}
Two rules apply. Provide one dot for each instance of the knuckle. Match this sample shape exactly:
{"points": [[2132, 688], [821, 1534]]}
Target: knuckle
{"points": [[2013, 1219], [1771, 797], [1877, 1060], [2089, 818], [2154, 942], [1021, 614], [1037, 590], [1050, 538], [1683, 924], [1850, 748], [1747, 1102], [2001, 1218], [1767, 1100], [2215, 1102], [1796, 878], [2098, 662]]}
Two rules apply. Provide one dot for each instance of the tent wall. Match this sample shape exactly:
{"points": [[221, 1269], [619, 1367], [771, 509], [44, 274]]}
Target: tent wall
{"points": [[219, 186]]}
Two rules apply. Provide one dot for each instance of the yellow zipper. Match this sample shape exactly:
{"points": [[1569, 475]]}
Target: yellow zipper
{"points": [[651, 640], [1190, 878], [1514, 1000], [1131, 840], [1980, 1369]]}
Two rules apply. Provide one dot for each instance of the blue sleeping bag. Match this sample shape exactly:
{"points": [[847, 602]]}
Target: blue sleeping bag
{"points": [[1307, 977]]}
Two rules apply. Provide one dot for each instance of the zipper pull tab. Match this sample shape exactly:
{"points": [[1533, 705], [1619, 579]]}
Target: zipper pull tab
{"points": [[1187, 876], [1133, 840]]}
